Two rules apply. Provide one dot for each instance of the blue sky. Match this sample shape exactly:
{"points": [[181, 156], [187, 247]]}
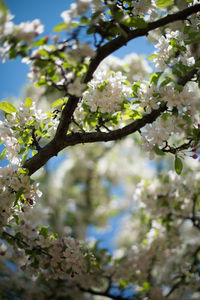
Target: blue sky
{"points": [[13, 73]]}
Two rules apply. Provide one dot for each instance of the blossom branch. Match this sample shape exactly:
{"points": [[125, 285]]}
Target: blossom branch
{"points": [[183, 277], [26, 246], [112, 46], [61, 140], [58, 144], [105, 294], [121, 40]]}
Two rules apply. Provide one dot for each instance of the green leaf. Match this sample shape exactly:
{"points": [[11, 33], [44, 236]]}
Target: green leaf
{"points": [[40, 42], [178, 165], [41, 82], [3, 8], [23, 171], [152, 56], [164, 3], [3, 154], [60, 27], [155, 77], [7, 107], [145, 286], [137, 22], [43, 52], [58, 102], [165, 81], [44, 231], [158, 151], [84, 20], [28, 102]]}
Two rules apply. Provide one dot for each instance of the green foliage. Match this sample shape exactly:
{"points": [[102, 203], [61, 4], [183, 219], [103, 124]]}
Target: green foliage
{"points": [[28, 102], [3, 8], [158, 151], [3, 154], [178, 165], [164, 3], [155, 77], [58, 102], [7, 107], [60, 27]]}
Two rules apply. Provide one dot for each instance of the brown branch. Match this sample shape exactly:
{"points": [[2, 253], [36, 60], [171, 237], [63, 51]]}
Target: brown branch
{"points": [[184, 276], [105, 294], [58, 144], [26, 245], [112, 46], [120, 41], [35, 141], [61, 140]]}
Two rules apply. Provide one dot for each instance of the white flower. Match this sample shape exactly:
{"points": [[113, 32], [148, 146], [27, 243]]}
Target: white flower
{"points": [[67, 17], [141, 7], [107, 92], [76, 87], [27, 31]]}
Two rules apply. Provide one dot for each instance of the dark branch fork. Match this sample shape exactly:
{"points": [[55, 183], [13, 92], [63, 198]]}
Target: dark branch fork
{"points": [[62, 140]]}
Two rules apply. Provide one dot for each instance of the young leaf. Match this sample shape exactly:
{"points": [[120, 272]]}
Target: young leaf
{"points": [[155, 77], [3, 154], [3, 8], [58, 102], [164, 3], [152, 56], [7, 107], [178, 165], [28, 102], [158, 151], [60, 27]]}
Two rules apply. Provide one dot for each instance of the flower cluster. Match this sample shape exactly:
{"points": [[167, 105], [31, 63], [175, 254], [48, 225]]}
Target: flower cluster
{"points": [[20, 129], [184, 101], [55, 258], [180, 99], [149, 96], [142, 7], [158, 133], [13, 35], [16, 193], [172, 50], [76, 9], [107, 92], [6, 25], [29, 30], [135, 67]]}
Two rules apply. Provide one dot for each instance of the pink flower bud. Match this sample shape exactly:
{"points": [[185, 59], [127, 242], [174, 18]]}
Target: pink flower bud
{"points": [[195, 156], [56, 38], [194, 149], [23, 268]]}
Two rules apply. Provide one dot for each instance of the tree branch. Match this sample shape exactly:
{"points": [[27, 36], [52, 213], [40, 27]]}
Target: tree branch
{"points": [[58, 144], [120, 41], [61, 140], [105, 294]]}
